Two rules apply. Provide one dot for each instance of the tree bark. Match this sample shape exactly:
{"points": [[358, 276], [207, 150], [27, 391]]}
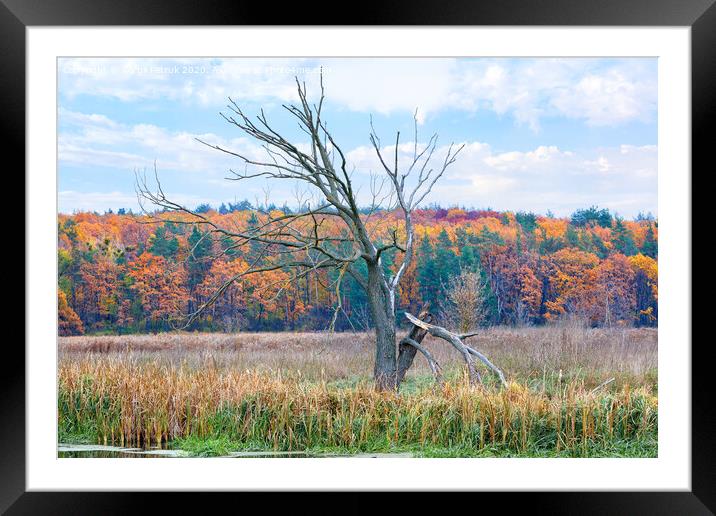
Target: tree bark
{"points": [[406, 352], [437, 370], [383, 314]]}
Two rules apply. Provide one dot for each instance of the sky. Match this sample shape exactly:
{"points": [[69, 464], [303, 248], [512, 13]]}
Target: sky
{"points": [[540, 134]]}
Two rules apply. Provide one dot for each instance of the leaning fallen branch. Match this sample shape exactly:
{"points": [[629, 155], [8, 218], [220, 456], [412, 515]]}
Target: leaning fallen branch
{"points": [[437, 370], [456, 340]]}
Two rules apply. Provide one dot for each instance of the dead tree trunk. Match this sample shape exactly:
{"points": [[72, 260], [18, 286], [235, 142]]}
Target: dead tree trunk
{"points": [[407, 347], [383, 314]]}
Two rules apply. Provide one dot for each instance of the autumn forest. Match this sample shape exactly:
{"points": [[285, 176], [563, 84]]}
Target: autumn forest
{"points": [[129, 273]]}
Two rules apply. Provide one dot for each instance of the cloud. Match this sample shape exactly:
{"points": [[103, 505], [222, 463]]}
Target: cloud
{"points": [[81, 155], [608, 99], [199, 80], [541, 157], [546, 177], [601, 92], [549, 178], [94, 140]]}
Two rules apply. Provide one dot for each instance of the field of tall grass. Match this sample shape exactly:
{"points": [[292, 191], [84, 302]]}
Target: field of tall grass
{"points": [[210, 394]]}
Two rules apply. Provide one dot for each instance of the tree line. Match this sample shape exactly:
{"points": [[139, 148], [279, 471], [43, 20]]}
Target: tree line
{"points": [[124, 273]]}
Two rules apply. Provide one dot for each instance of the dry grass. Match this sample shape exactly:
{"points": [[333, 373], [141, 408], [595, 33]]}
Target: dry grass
{"points": [[124, 402], [296, 391], [530, 355]]}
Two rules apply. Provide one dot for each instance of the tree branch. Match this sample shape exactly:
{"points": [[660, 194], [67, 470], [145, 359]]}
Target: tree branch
{"points": [[466, 351]]}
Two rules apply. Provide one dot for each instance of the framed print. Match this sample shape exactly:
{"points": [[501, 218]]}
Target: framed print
{"points": [[416, 256]]}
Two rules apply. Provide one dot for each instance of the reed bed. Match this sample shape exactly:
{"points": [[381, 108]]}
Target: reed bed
{"points": [[532, 355], [128, 399]]}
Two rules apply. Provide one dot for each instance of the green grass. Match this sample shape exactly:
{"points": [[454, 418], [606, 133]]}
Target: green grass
{"points": [[67, 435], [222, 446], [207, 447]]}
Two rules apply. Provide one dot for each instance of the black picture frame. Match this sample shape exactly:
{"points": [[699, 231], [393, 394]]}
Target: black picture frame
{"points": [[700, 15]]}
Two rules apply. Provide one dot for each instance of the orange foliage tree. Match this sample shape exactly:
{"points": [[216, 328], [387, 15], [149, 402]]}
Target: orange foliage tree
{"points": [[160, 287], [68, 322]]}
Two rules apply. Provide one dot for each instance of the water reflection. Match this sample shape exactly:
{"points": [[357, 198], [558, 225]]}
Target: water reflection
{"points": [[115, 452], [100, 451]]}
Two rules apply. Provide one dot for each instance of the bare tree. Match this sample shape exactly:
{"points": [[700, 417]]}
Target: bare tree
{"points": [[463, 305], [301, 242]]}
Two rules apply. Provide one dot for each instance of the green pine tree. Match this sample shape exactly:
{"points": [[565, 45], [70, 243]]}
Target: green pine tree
{"points": [[162, 244], [572, 237], [427, 272], [650, 247], [622, 238], [600, 249], [197, 263]]}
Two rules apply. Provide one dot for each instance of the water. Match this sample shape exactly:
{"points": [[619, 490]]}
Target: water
{"points": [[100, 451], [67, 450]]}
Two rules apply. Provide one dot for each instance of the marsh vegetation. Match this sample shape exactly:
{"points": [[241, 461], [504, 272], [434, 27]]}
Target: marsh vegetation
{"points": [[213, 394]]}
